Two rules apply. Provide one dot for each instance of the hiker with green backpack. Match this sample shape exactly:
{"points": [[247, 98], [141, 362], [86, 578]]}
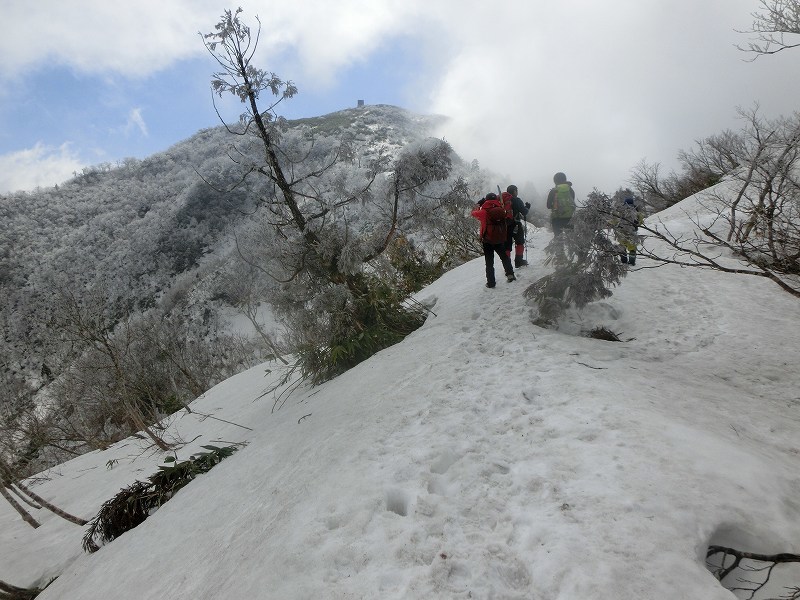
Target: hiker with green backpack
{"points": [[561, 202], [493, 215]]}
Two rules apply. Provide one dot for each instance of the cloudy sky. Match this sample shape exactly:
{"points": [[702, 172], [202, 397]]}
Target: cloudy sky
{"points": [[581, 86]]}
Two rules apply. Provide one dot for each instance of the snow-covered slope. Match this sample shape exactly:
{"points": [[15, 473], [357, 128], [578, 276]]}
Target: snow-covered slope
{"points": [[482, 457]]}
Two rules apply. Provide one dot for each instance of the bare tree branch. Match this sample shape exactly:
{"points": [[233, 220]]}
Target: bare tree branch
{"points": [[775, 27], [721, 571]]}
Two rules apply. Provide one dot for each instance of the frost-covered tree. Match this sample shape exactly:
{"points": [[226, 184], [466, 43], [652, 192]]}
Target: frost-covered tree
{"points": [[776, 27], [705, 165], [127, 371], [753, 215], [584, 259], [333, 208]]}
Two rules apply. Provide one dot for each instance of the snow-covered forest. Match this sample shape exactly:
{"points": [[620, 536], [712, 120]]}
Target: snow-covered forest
{"points": [[165, 252]]}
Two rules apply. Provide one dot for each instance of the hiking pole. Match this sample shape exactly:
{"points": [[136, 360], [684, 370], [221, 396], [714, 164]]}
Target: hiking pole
{"points": [[525, 235]]}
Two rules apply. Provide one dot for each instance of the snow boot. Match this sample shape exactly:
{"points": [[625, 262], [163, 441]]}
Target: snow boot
{"points": [[510, 277], [520, 262]]}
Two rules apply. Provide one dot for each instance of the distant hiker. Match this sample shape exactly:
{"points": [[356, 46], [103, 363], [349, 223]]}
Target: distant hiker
{"points": [[517, 233], [494, 233], [629, 217], [561, 202]]}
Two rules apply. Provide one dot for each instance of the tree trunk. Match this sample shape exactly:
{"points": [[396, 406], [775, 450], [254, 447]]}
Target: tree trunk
{"points": [[12, 592], [22, 497], [51, 507], [18, 507]]}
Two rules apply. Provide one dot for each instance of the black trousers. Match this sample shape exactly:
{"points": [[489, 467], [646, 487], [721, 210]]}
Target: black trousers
{"points": [[560, 225], [516, 235], [489, 250]]}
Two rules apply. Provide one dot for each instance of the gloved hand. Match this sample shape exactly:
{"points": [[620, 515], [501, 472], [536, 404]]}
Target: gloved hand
{"points": [[527, 205]]}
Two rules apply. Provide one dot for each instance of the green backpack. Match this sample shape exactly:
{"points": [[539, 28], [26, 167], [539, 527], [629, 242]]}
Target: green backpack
{"points": [[563, 204]]}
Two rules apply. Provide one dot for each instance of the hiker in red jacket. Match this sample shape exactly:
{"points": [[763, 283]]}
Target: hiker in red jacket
{"points": [[492, 216]]}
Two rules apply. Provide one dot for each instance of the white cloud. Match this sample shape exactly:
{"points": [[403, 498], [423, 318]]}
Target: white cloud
{"points": [[585, 87], [324, 37], [136, 121], [592, 88], [95, 36], [40, 166]]}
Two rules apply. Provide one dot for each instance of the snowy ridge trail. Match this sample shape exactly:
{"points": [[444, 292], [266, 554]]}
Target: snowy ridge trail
{"points": [[482, 457]]}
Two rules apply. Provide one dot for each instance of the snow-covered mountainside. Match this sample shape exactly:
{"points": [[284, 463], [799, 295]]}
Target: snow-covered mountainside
{"points": [[482, 457], [148, 233]]}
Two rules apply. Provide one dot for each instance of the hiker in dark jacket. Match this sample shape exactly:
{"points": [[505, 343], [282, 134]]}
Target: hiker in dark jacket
{"points": [[561, 202], [493, 242], [516, 233]]}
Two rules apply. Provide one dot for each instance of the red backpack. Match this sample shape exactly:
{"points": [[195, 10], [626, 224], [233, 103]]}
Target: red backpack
{"points": [[495, 232]]}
